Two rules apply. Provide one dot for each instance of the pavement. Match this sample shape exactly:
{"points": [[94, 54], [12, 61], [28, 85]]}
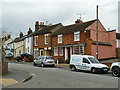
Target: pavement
{"points": [[13, 77]]}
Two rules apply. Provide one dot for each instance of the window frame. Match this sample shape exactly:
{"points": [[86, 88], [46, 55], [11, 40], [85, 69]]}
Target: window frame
{"points": [[56, 52], [60, 37], [74, 49], [36, 40], [46, 36], [75, 36], [61, 54]]}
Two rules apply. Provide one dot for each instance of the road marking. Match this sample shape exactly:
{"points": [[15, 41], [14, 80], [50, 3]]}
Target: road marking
{"points": [[8, 81]]}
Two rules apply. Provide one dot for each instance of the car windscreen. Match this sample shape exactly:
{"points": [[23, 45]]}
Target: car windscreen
{"points": [[93, 60], [48, 57]]}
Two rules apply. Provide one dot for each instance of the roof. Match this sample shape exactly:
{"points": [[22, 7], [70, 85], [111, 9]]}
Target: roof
{"points": [[73, 28], [44, 30], [102, 43], [117, 35]]}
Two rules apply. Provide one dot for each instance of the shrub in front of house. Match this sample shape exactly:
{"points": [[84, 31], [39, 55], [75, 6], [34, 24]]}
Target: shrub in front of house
{"points": [[67, 61]]}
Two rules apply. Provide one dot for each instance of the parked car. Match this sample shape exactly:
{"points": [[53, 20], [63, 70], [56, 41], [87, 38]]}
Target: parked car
{"points": [[20, 57], [44, 60], [115, 68], [10, 55], [87, 63]]}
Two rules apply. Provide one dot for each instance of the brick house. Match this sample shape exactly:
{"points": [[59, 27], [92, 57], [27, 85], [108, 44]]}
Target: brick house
{"points": [[80, 38], [42, 38]]}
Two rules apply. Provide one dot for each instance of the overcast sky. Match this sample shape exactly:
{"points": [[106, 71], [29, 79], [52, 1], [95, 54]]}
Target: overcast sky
{"points": [[19, 15]]}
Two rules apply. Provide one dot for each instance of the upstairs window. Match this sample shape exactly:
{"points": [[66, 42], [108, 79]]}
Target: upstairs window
{"points": [[76, 36], [46, 39], [59, 38], [36, 40]]}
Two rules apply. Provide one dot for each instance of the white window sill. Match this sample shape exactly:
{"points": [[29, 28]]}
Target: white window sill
{"points": [[59, 42], [76, 40], [55, 55]]}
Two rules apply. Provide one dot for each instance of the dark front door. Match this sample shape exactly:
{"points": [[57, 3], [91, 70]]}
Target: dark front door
{"points": [[68, 49]]}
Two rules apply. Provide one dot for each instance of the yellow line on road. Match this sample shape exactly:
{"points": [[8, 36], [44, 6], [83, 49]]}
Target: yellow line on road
{"points": [[8, 81]]}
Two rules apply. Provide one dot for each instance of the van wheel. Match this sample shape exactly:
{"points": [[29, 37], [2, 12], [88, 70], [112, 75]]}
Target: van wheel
{"points": [[116, 72], [73, 68], [93, 70], [42, 65]]}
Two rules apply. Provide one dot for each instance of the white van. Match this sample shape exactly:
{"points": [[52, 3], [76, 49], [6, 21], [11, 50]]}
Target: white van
{"points": [[87, 63]]}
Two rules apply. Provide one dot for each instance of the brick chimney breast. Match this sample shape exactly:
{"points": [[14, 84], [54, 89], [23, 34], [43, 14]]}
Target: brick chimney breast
{"points": [[78, 21], [30, 31], [21, 34], [37, 25]]}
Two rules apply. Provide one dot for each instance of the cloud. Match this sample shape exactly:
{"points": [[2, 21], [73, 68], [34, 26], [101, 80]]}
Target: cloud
{"points": [[19, 15]]}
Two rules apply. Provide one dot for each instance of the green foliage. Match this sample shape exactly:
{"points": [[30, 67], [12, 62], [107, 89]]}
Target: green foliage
{"points": [[67, 61]]}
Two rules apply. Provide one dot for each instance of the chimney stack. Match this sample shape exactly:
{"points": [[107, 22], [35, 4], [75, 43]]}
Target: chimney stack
{"points": [[21, 34], [37, 25], [78, 21], [30, 31]]}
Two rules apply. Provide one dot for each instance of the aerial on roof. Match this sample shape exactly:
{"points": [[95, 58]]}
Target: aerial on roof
{"points": [[73, 28], [44, 30]]}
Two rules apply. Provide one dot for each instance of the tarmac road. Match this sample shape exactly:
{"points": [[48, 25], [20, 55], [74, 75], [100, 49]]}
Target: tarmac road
{"points": [[52, 77]]}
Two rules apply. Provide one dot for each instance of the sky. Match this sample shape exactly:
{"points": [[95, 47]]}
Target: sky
{"points": [[19, 15]]}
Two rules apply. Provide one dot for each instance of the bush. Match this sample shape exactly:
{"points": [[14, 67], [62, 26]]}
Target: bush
{"points": [[67, 61], [60, 60]]}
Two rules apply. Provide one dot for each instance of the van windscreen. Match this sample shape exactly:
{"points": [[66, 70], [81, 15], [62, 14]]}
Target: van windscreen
{"points": [[93, 60]]}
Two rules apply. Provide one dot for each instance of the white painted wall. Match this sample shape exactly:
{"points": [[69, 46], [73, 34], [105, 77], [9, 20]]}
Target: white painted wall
{"points": [[118, 43], [28, 44]]}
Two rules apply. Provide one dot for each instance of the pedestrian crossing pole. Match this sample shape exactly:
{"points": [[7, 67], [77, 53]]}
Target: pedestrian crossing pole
{"points": [[97, 34]]}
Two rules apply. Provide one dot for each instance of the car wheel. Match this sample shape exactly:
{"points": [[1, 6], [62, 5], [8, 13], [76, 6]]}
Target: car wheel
{"points": [[73, 68], [93, 70], [34, 64], [116, 72], [42, 65]]}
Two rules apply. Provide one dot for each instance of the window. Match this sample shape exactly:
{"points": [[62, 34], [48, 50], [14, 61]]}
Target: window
{"points": [[59, 38], [55, 51], [19, 51], [21, 42], [28, 39], [76, 36], [75, 49], [36, 40], [82, 50], [46, 38], [85, 60], [36, 53], [28, 49], [61, 51]]}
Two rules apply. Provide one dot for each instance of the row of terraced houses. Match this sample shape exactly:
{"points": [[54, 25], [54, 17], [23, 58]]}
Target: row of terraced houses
{"points": [[62, 41]]}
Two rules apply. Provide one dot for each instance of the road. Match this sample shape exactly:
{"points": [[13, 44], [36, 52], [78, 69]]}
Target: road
{"points": [[52, 77]]}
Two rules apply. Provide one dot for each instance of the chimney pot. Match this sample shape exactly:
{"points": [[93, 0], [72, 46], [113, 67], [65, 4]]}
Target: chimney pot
{"points": [[37, 22]]}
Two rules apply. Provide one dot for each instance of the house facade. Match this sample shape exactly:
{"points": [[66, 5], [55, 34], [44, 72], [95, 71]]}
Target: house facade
{"points": [[42, 42], [29, 42], [19, 45], [80, 38]]}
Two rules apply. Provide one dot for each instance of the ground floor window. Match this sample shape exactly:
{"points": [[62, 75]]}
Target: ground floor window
{"points": [[55, 51], [61, 51], [82, 50], [35, 53], [19, 51], [75, 49]]}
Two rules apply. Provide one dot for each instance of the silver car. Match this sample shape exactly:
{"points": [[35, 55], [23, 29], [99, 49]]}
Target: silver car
{"points": [[44, 61]]}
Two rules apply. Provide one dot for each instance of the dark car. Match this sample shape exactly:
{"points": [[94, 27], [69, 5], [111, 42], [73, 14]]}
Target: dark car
{"points": [[20, 57]]}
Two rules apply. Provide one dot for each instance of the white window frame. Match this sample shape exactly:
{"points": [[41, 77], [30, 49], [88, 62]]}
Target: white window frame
{"points": [[82, 49], [59, 36], [77, 33], [56, 51], [61, 54], [46, 35], [36, 44], [74, 49], [34, 53]]}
